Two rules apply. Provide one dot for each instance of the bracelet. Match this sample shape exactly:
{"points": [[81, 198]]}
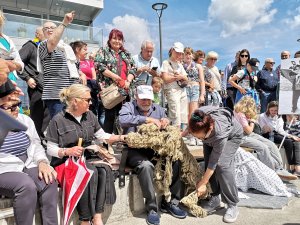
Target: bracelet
{"points": [[65, 152], [63, 25], [120, 137]]}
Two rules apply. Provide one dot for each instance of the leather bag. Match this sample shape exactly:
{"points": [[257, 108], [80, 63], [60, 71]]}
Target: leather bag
{"points": [[111, 96]]}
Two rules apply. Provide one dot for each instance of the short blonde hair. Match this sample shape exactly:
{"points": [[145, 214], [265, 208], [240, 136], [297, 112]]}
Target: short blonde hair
{"points": [[212, 54], [247, 106], [157, 80], [66, 95], [2, 19]]}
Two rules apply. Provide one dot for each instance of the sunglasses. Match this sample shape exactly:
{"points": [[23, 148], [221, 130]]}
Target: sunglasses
{"points": [[88, 100], [213, 59], [244, 56], [271, 63], [11, 108]]}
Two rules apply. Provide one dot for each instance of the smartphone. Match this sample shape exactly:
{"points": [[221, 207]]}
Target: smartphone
{"points": [[154, 68]]}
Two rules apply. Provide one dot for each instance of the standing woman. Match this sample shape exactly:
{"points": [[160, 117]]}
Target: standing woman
{"points": [[114, 64], [196, 85], [244, 57], [221, 135], [173, 74]]}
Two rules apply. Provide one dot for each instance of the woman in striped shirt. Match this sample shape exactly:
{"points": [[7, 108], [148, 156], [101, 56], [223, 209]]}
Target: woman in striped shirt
{"points": [[25, 173]]}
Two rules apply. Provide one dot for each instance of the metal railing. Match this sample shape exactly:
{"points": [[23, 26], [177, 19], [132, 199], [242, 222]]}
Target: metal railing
{"points": [[24, 27]]}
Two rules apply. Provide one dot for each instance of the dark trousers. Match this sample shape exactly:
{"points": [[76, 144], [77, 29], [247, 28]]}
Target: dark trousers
{"points": [[111, 115], [38, 111], [292, 151], [26, 189], [92, 84], [265, 98], [139, 159], [223, 179], [296, 94], [95, 194], [54, 106], [231, 93]]}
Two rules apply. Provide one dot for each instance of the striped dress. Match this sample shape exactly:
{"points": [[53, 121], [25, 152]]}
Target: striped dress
{"points": [[15, 143]]}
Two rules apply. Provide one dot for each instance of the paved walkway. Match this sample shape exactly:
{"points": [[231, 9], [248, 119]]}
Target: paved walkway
{"points": [[289, 215]]}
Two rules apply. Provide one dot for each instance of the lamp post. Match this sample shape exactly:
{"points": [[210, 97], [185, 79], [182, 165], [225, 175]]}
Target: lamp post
{"points": [[159, 7]]}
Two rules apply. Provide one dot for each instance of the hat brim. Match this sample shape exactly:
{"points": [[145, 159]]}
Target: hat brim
{"points": [[178, 50], [146, 96]]}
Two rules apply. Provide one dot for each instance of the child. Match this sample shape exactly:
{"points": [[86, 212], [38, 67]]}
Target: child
{"points": [[156, 84]]}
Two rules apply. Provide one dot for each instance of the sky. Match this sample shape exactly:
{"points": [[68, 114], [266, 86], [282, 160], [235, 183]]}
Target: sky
{"points": [[264, 27]]}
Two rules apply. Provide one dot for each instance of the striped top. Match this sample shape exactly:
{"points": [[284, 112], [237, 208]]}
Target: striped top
{"points": [[56, 72], [15, 143]]}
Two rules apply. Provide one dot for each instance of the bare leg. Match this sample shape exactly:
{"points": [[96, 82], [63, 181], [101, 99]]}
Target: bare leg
{"points": [[97, 219]]}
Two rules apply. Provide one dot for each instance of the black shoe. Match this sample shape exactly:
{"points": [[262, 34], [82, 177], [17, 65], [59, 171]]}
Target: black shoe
{"points": [[173, 209]]}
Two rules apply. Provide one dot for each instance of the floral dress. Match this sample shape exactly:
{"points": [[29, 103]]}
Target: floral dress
{"points": [[107, 59]]}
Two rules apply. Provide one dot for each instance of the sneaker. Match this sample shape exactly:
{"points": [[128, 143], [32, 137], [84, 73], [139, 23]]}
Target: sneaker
{"points": [[212, 205], [192, 141], [153, 218], [173, 209], [296, 173], [284, 174], [231, 214], [199, 142]]}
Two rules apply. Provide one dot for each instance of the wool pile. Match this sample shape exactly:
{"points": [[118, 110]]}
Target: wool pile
{"points": [[170, 147]]}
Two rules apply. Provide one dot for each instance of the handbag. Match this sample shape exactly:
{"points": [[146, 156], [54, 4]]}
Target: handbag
{"points": [[111, 96]]}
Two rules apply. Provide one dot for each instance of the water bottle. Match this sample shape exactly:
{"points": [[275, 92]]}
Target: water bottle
{"points": [[271, 136]]}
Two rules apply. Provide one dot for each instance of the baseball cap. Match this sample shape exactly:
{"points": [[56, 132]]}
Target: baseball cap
{"points": [[145, 92], [178, 47], [254, 63]]}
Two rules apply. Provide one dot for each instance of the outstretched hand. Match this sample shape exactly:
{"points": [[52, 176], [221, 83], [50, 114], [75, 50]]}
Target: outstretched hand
{"points": [[69, 18]]}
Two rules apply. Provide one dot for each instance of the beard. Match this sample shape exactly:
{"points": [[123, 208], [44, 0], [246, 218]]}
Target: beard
{"points": [[144, 108]]}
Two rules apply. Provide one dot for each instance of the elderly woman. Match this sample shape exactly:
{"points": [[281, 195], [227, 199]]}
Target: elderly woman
{"points": [[114, 63], [8, 51], [173, 75], [273, 128], [63, 134], [25, 173], [221, 135], [212, 79]]}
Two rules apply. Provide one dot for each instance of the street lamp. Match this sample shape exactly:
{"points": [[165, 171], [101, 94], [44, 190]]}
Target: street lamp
{"points": [[159, 7]]}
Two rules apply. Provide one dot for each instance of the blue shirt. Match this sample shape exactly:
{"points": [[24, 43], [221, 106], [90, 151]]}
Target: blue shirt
{"points": [[267, 80], [15, 143], [130, 116]]}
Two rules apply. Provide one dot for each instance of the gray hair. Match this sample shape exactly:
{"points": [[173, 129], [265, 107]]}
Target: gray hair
{"points": [[212, 54], [145, 42]]}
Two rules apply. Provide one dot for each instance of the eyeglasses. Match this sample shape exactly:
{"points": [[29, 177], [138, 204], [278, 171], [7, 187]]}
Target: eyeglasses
{"points": [[11, 108], [88, 100], [213, 59], [271, 63], [244, 56], [49, 28], [284, 56]]}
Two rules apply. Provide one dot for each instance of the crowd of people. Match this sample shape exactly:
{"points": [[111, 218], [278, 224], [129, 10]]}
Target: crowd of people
{"points": [[221, 110]]}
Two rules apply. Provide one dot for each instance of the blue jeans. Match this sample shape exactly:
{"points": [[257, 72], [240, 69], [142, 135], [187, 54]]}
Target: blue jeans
{"points": [[192, 93], [54, 106], [265, 98]]}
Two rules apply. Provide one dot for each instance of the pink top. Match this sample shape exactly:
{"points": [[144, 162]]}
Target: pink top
{"points": [[241, 118], [86, 67]]}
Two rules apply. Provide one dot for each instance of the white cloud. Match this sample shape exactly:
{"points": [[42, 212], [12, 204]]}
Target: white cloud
{"points": [[135, 31], [240, 16], [295, 21]]}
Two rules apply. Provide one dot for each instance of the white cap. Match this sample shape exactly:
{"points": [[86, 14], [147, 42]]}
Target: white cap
{"points": [[145, 92], [178, 47]]}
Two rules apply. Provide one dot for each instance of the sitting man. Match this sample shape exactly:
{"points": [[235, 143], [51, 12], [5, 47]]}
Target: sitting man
{"points": [[133, 114]]}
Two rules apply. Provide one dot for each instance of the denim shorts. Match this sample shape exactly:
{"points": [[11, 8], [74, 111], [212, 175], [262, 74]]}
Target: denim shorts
{"points": [[192, 93]]}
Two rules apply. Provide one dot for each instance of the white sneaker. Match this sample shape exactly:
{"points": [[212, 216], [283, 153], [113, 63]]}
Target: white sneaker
{"points": [[192, 141], [231, 214], [199, 142]]}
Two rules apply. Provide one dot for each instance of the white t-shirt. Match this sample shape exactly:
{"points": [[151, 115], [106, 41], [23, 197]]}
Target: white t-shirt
{"points": [[245, 83], [170, 67]]}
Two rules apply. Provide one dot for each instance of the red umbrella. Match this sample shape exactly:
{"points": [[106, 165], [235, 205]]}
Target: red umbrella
{"points": [[76, 178]]}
